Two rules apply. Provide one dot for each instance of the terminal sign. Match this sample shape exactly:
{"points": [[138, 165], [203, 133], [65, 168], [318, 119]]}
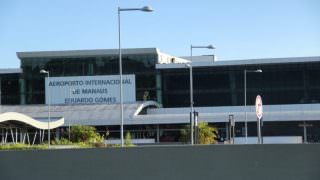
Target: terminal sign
{"points": [[90, 89], [259, 110]]}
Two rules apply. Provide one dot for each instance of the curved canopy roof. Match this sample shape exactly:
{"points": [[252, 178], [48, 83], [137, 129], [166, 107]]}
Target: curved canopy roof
{"points": [[9, 118], [93, 114]]}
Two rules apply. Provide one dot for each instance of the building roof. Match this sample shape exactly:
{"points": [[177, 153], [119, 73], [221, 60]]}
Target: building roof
{"points": [[11, 71], [207, 61], [162, 57], [93, 52]]}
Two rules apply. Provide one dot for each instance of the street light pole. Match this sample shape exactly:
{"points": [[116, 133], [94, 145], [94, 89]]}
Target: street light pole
{"points": [[0, 96], [245, 100], [70, 103], [191, 91], [245, 106], [145, 9], [49, 118], [191, 101]]}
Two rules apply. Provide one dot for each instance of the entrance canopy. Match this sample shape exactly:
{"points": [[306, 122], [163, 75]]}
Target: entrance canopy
{"points": [[15, 119], [85, 114]]}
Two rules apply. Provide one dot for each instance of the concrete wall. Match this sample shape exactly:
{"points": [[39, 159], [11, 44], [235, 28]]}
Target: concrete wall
{"points": [[220, 162]]}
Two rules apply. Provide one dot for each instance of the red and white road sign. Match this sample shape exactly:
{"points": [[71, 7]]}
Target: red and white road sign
{"points": [[259, 110]]}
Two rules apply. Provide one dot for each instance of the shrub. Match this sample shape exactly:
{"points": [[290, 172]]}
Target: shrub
{"points": [[62, 141], [86, 134], [128, 140], [206, 134]]}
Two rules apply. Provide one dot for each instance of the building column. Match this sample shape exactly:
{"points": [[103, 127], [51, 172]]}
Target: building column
{"points": [[20, 135], [227, 132], [158, 133], [305, 87], [159, 87], [2, 136], [5, 139], [90, 70], [16, 135], [22, 84], [0, 95], [305, 131], [6, 136], [57, 134], [232, 81]]}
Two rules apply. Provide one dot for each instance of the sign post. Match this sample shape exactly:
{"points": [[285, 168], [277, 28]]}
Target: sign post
{"points": [[232, 125], [259, 112], [196, 128]]}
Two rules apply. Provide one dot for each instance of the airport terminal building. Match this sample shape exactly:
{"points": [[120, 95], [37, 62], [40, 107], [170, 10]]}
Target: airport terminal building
{"points": [[83, 88]]}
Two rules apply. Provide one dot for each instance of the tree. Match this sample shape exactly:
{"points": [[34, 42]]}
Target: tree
{"points": [[206, 134], [128, 139], [86, 134]]}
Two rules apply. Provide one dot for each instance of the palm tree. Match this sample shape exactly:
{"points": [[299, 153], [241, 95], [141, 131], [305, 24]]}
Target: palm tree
{"points": [[206, 134]]}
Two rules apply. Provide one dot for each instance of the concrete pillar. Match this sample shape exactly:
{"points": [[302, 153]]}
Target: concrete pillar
{"points": [[57, 134], [305, 131], [232, 81], [6, 136], [22, 91], [16, 135], [20, 136], [305, 140], [305, 87], [227, 131], [1, 136], [0, 95], [40, 137], [159, 87], [90, 70], [158, 133]]}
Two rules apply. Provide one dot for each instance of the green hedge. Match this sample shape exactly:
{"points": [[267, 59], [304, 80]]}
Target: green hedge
{"points": [[22, 147]]}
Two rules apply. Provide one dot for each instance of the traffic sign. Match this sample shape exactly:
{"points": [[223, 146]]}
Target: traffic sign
{"points": [[259, 110]]}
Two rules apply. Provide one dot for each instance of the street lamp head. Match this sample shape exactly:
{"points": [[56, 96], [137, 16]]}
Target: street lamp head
{"points": [[147, 9], [42, 71], [203, 47], [259, 70], [210, 47]]}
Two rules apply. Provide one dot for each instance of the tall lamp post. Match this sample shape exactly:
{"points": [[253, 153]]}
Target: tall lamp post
{"points": [[48, 75], [70, 103], [144, 9], [245, 99], [191, 89]]}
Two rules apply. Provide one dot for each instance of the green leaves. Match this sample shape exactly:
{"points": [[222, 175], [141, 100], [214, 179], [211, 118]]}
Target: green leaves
{"points": [[22, 147], [128, 139], [86, 134], [206, 134]]}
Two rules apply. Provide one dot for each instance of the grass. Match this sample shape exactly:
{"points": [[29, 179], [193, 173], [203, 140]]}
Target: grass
{"points": [[22, 147], [58, 144]]}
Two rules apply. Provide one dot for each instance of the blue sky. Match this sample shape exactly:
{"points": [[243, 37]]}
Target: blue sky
{"points": [[243, 29]]}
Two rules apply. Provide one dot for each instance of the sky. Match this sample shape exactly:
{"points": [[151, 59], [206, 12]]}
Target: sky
{"points": [[245, 29]]}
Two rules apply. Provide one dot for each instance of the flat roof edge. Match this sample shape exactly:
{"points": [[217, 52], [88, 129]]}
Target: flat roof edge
{"points": [[242, 62], [11, 71], [93, 52]]}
